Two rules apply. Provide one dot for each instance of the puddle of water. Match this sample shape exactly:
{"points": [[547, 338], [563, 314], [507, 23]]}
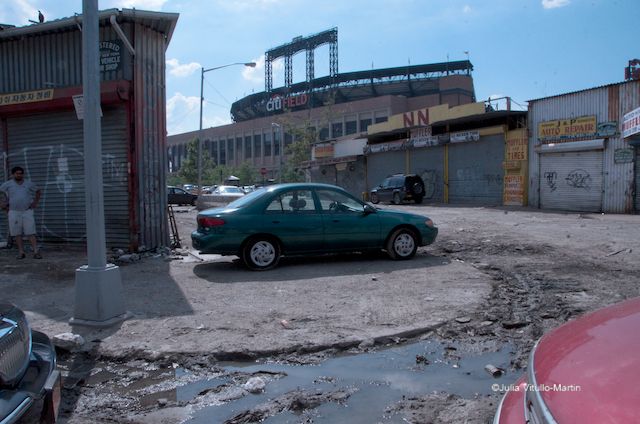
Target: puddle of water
{"points": [[380, 378]]}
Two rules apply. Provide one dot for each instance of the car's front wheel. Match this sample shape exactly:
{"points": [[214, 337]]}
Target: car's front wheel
{"points": [[396, 198], [374, 198], [261, 253], [402, 244]]}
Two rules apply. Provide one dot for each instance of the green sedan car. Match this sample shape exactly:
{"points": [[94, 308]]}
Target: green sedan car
{"points": [[307, 219]]}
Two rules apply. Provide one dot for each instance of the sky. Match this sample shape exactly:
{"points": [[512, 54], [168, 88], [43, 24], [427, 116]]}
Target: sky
{"points": [[523, 49]]}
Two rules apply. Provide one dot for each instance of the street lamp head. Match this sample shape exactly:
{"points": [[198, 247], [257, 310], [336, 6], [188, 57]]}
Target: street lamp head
{"points": [[250, 64]]}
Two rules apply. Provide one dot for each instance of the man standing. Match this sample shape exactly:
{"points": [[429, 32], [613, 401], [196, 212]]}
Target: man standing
{"points": [[22, 199]]}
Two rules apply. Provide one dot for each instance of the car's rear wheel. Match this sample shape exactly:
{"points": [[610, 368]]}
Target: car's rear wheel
{"points": [[402, 244], [261, 253], [374, 198], [396, 198]]}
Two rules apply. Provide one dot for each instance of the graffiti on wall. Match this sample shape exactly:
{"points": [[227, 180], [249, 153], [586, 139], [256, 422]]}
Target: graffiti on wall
{"points": [[62, 183], [551, 179], [430, 178], [579, 178]]}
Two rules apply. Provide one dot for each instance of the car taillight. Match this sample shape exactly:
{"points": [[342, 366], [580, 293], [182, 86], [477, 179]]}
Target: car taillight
{"points": [[206, 221]]}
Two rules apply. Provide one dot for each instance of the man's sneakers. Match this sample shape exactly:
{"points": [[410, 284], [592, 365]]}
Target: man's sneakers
{"points": [[21, 256], [37, 255]]}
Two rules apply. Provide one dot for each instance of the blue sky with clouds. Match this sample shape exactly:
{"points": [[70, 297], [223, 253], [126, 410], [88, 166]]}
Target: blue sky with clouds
{"points": [[524, 49]]}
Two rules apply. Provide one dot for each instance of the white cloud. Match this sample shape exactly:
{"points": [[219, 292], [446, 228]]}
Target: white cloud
{"points": [[131, 4], [466, 9], [182, 111], [18, 12], [178, 70], [554, 4]]}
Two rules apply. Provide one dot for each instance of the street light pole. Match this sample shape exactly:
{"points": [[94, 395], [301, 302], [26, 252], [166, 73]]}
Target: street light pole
{"points": [[202, 72]]}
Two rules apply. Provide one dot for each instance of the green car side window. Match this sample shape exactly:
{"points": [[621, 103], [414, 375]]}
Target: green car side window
{"points": [[298, 201], [335, 202]]}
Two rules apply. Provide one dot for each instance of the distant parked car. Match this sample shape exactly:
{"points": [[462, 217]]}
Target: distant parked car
{"points": [[399, 188], [228, 193], [306, 218], [178, 196], [27, 368], [585, 371]]}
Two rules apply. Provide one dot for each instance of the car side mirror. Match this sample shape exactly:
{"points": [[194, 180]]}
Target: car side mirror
{"points": [[369, 209]]}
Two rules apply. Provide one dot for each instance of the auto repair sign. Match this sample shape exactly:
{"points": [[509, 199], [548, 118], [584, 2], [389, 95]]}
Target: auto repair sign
{"points": [[631, 123]]}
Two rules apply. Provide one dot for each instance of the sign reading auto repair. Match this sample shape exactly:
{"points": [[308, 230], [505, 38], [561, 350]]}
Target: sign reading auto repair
{"points": [[567, 129], [631, 123], [26, 97]]}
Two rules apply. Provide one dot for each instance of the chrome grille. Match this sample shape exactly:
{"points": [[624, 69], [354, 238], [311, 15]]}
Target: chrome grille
{"points": [[15, 346]]}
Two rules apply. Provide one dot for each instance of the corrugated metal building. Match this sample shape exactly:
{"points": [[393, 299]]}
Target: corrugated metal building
{"points": [[40, 73], [579, 159], [460, 152]]}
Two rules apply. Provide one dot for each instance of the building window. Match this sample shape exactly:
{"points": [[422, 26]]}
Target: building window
{"points": [[324, 134], [288, 139], [336, 129], [247, 147], [350, 125], [257, 146], [214, 151], [364, 124], [276, 142], [381, 116], [231, 148], [223, 152], [267, 143], [238, 149]]}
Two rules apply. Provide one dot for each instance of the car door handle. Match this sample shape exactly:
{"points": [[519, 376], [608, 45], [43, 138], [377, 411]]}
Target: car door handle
{"points": [[275, 222], [335, 220]]}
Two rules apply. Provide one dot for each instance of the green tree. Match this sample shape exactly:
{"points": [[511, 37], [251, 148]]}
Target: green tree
{"points": [[247, 174], [189, 167]]}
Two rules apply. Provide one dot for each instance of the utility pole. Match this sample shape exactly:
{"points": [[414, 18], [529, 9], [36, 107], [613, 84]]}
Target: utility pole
{"points": [[98, 286]]}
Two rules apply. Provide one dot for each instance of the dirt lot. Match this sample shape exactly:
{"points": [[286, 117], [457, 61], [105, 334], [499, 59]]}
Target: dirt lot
{"points": [[494, 277]]}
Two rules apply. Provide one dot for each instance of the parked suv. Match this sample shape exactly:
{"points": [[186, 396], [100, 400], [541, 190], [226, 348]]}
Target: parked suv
{"points": [[398, 188], [28, 375]]}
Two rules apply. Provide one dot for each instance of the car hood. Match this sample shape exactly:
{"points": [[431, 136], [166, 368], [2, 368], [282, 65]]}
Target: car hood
{"points": [[399, 214], [587, 369]]}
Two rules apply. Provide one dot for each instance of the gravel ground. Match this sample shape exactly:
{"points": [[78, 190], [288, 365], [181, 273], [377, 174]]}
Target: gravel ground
{"points": [[494, 276]]}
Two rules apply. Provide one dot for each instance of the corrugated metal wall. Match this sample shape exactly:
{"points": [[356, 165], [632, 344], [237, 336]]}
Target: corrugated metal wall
{"points": [[150, 135], [428, 162], [607, 104], [476, 175], [628, 99], [53, 61], [381, 165], [50, 149]]}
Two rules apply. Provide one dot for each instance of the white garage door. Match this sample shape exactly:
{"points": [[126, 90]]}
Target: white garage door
{"points": [[571, 181]]}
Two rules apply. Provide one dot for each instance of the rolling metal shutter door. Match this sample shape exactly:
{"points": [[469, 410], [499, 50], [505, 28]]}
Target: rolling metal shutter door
{"points": [[429, 164], [50, 148], [475, 171], [381, 165], [4, 228], [571, 181]]}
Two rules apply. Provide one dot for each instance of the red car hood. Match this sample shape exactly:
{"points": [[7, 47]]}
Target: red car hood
{"points": [[588, 370]]}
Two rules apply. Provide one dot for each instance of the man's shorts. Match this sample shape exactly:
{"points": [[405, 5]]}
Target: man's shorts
{"points": [[22, 223]]}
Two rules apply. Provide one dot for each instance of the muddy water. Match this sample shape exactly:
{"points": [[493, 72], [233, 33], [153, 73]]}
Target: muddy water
{"points": [[372, 382]]}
